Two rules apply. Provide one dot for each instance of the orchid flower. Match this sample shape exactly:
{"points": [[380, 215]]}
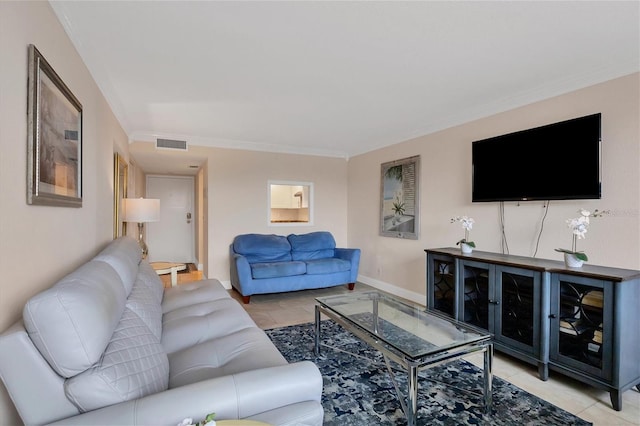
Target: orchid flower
{"points": [[467, 225]]}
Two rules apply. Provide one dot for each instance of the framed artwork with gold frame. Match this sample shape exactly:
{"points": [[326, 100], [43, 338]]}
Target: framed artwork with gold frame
{"points": [[54, 137], [120, 177]]}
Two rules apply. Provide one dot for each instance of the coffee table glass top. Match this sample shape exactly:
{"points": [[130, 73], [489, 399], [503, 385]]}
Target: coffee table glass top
{"points": [[407, 328]]}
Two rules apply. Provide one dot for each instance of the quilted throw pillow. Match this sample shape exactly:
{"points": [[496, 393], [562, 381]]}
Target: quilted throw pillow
{"points": [[134, 364]]}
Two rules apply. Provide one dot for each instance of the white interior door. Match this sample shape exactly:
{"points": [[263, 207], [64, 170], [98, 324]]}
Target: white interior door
{"points": [[172, 238]]}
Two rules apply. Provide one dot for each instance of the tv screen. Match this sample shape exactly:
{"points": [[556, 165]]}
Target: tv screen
{"points": [[559, 161]]}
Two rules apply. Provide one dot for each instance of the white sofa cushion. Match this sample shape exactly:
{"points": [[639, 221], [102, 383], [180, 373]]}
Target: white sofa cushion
{"points": [[150, 278], [244, 350], [193, 324], [124, 255], [134, 364], [72, 322], [144, 303], [192, 293]]}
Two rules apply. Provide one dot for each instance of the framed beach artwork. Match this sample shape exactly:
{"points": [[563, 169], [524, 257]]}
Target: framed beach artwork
{"points": [[54, 138], [399, 201]]}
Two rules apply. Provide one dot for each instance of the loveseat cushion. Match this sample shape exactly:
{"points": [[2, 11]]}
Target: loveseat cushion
{"points": [[134, 364], [72, 322], [262, 248], [314, 245], [277, 269], [327, 266]]}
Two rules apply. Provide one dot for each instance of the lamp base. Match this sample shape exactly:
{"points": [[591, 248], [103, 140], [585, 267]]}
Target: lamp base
{"points": [[143, 245]]}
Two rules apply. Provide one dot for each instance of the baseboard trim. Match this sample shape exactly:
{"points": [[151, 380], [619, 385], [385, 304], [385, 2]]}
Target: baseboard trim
{"points": [[380, 285], [393, 289]]}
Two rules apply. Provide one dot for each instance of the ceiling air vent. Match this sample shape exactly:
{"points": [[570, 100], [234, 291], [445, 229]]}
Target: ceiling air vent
{"points": [[171, 144]]}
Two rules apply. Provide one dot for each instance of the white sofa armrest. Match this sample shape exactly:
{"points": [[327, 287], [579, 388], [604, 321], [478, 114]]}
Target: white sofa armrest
{"points": [[28, 378], [235, 396]]}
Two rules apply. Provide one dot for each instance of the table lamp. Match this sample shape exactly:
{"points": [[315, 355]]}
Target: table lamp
{"points": [[142, 210]]}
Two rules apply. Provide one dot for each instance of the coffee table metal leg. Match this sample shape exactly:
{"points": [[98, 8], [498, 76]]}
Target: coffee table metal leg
{"points": [[488, 377], [316, 346], [412, 405]]}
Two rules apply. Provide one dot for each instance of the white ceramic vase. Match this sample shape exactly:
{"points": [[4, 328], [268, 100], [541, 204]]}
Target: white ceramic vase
{"points": [[572, 261], [466, 248]]}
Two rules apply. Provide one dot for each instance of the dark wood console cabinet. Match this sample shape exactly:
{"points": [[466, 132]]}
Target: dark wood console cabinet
{"points": [[582, 322]]}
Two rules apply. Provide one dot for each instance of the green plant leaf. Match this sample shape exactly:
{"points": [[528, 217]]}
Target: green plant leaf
{"points": [[210, 417], [469, 243], [398, 207], [578, 254]]}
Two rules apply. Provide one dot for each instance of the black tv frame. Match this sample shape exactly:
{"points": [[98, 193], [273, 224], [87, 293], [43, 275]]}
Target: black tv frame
{"points": [[558, 161]]}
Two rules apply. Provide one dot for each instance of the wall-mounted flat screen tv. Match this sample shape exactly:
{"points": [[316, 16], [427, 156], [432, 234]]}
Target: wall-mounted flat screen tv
{"points": [[559, 161]]}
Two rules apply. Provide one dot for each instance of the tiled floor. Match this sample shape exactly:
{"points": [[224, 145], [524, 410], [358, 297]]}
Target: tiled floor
{"points": [[279, 310]]}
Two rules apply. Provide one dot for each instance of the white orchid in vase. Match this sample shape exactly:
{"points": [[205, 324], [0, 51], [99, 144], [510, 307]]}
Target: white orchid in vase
{"points": [[208, 421], [467, 225], [579, 227]]}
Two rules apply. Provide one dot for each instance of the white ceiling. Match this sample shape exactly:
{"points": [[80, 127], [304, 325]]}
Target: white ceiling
{"points": [[339, 78]]}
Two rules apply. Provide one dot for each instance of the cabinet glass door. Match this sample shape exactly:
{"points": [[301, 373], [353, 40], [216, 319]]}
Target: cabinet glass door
{"points": [[475, 304], [518, 301], [442, 290], [583, 324]]}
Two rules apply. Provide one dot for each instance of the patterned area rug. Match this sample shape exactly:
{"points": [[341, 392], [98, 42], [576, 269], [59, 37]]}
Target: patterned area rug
{"points": [[358, 390]]}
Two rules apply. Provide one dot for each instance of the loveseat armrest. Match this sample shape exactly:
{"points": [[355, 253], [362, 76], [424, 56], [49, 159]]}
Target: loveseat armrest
{"points": [[240, 272], [350, 255], [234, 396]]}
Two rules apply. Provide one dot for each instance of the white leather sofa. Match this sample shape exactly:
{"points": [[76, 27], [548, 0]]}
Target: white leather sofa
{"points": [[107, 345]]}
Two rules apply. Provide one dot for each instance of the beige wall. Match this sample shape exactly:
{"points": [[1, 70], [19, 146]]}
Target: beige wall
{"points": [[238, 197], [445, 191], [39, 244], [235, 197]]}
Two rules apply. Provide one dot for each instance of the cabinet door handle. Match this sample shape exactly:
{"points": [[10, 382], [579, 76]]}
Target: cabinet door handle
{"points": [[552, 316], [494, 302]]}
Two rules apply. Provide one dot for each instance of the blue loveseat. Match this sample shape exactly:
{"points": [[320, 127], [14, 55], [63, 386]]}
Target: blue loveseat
{"points": [[263, 264]]}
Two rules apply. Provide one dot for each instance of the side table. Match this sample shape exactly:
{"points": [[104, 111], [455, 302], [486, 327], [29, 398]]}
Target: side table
{"points": [[163, 268]]}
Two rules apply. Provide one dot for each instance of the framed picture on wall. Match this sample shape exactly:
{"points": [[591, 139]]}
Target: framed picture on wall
{"points": [[120, 178], [54, 138], [399, 201]]}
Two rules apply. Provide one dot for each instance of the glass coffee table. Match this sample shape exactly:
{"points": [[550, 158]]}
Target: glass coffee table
{"points": [[408, 335]]}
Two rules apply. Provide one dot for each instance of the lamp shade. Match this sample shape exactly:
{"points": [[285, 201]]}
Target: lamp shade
{"points": [[141, 210]]}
